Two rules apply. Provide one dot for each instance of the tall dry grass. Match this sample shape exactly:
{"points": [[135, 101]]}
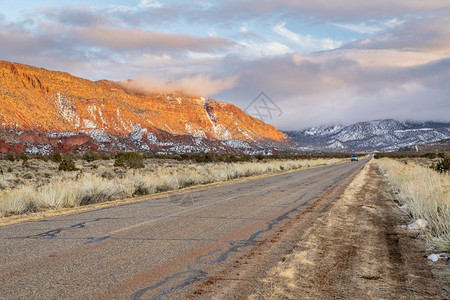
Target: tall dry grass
{"points": [[68, 191], [427, 195]]}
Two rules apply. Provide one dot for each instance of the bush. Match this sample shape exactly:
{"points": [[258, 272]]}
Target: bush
{"points": [[443, 166], [10, 157], [67, 164], [430, 155], [104, 156], [42, 157], [131, 160], [90, 156], [56, 157], [23, 157]]}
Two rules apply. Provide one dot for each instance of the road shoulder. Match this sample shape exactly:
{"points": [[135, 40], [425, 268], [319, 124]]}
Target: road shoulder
{"points": [[357, 251]]}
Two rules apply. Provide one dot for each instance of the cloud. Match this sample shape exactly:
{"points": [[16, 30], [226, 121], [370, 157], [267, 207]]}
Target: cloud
{"points": [[135, 39], [150, 4], [306, 42], [200, 84], [263, 49], [76, 16], [362, 28], [423, 34], [371, 27], [334, 10], [335, 90]]}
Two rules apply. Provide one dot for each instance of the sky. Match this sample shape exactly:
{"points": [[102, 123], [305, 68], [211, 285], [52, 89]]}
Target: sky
{"points": [[317, 62]]}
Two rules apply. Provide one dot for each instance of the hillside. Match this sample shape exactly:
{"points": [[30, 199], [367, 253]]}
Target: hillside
{"points": [[44, 111], [379, 135]]}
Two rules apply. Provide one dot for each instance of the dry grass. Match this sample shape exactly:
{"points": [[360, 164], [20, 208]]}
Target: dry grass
{"points": [[427, 195], [40, 192]]}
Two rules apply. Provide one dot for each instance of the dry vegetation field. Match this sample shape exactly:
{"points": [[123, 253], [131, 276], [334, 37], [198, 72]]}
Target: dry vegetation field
{"points": [[423, 194], [36, 185]]}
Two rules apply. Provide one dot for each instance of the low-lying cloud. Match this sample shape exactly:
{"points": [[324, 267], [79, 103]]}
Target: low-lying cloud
{"points": [[200, 84]]}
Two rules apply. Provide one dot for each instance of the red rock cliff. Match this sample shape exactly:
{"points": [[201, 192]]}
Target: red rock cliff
{"points": [[38, 100]]}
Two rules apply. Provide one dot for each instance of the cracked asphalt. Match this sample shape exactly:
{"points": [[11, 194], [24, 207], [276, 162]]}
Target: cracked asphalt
{"points": [[155, 249]]}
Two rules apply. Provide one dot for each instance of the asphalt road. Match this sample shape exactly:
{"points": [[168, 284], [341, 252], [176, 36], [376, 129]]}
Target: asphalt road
{"points": [[157, 248]]}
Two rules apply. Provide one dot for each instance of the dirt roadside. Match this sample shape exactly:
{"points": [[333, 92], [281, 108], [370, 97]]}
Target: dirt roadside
{"points": [[357, 251]]}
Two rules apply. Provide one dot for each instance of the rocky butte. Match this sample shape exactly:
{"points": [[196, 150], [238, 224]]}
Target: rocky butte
{"points": [[45, 111]]}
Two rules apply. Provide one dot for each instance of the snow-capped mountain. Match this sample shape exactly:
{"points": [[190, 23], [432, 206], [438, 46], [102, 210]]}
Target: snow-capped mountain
{"points": [[379, 135]]}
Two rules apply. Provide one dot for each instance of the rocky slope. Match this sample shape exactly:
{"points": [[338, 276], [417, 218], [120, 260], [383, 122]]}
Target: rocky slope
{"points": [[380, 135], [44, 111]]}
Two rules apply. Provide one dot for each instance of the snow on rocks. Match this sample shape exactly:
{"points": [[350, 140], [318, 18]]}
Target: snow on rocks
{"points": [[435, 257], [418, 224]]}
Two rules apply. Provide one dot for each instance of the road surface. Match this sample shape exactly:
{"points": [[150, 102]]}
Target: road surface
{"points": [[162, 248]]}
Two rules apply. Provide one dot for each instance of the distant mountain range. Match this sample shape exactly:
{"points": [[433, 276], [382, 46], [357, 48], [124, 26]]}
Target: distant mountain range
{"points": [[379, 135], [43, 111]]}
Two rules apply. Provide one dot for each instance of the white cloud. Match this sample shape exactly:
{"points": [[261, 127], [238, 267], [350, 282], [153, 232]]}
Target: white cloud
{"points": [[121, 9], [360, 28], [371, 27], [263, 49], [378, 57], [243, 29], [204, 4], [306, 42], [150, 4]]}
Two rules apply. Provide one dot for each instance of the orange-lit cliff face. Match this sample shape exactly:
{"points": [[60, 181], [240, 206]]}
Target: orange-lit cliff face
{"points": [[41, 101]]}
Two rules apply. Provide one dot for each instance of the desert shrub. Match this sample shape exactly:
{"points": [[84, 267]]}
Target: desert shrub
{"points": [[10, 157], [130, 160], [28, 175], [42, 157], [104, 156], [3, 184], [443, 166], [430, 155], [441, 154], [206, 157], [246, 158], [67, 164], [231, 158], [56, 157], [23, 157], [90, 156], [96, 190], [259, 157], [108, 175], [9, 170]]}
